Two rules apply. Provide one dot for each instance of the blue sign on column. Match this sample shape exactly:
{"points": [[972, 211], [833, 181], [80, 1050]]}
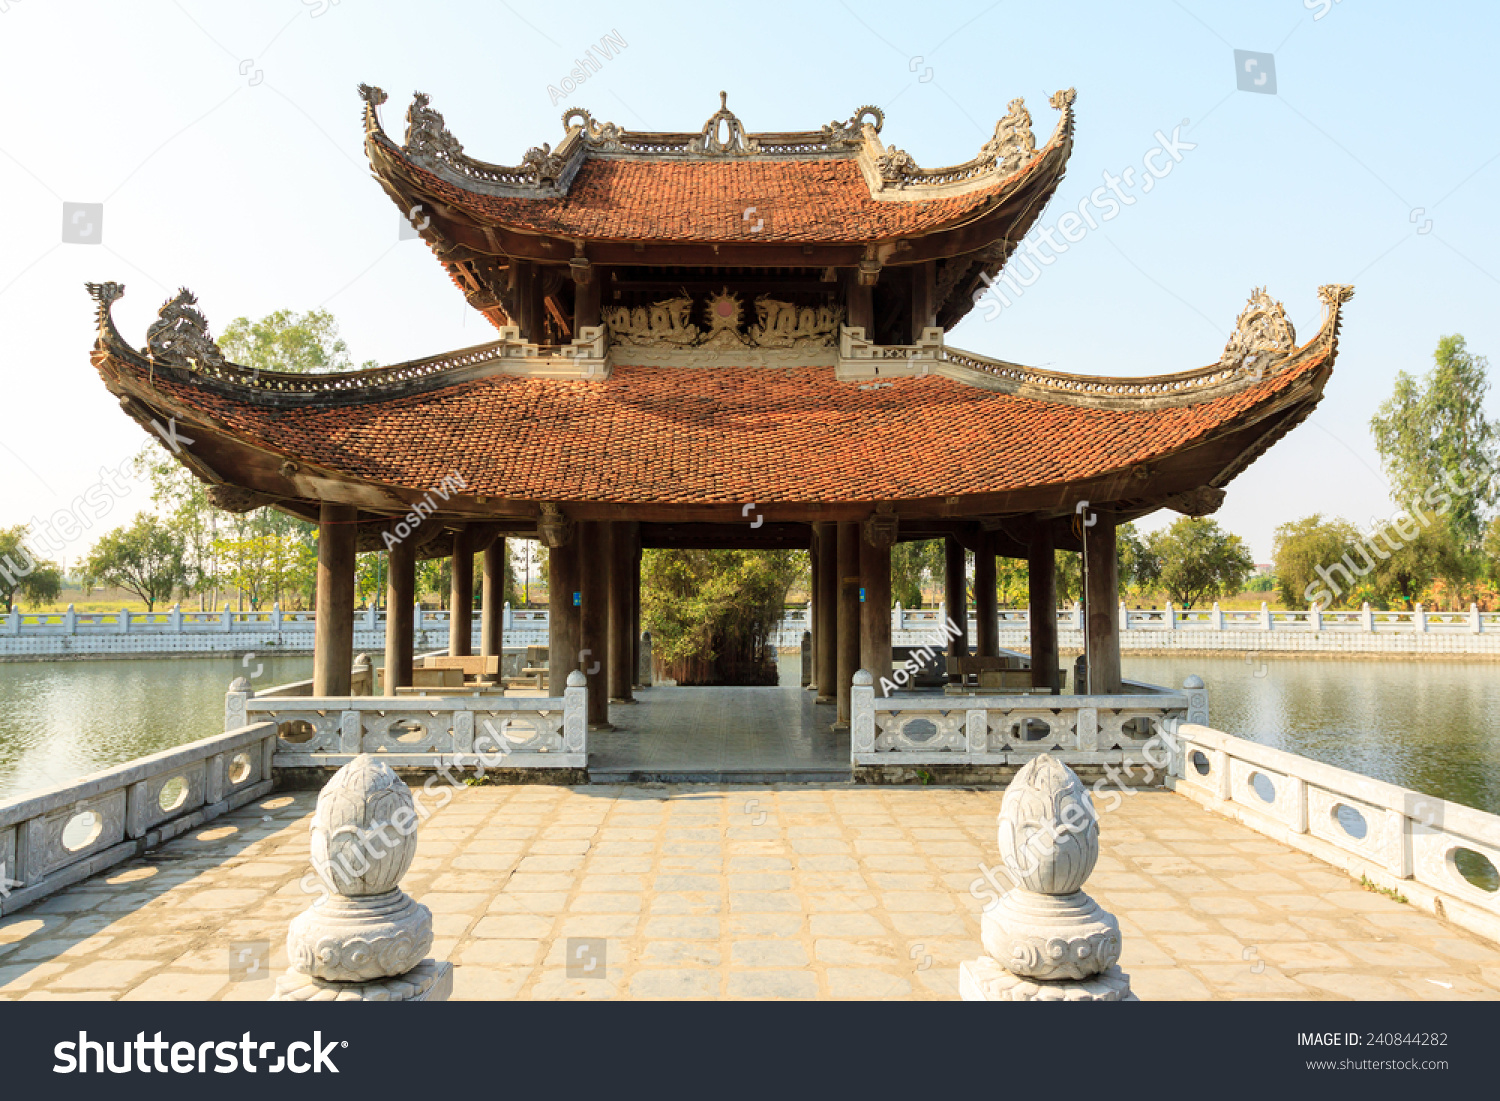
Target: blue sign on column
{"points": [[861, 594], [577, 600]]}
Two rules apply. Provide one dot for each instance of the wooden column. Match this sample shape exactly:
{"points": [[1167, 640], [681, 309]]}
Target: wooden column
{"points": [[621, 614], [635, 612], [923, 297], [586, 303], [333, 640], [848, 614], [522, 285], [815, 611], [956, 595], [825, 658], [986, 607], [562, 613], [492, 599], [875, 611], [400, 600], [860, 307], [1101, 586], [593, 649], [461, 596], [1041, 572]]}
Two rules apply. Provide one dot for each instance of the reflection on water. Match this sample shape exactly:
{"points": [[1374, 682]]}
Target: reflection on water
{"points": [[1433, 727], [63, 719]]}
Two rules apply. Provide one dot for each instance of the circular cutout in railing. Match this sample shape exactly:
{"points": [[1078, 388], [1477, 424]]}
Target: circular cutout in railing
{"points": [[1200, 762], [408, 732], [1032, 730], [1138, 729], [920, 730], [1263, 786], [1477, 869], [173, 794], [1352, 822], [239, 768], [82, 830], [295, 731]]}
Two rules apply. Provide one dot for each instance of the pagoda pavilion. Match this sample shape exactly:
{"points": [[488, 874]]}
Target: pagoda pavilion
{"points": [[725, 339]]}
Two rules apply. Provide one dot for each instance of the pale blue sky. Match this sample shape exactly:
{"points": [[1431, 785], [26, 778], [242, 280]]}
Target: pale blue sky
{"points": [[251, 188]]}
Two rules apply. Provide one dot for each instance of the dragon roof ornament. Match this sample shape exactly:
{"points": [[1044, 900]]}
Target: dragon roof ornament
{"points": [[179, 336], [1262, 334]]}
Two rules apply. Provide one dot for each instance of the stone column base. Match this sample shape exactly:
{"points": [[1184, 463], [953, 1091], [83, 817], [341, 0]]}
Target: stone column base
{"points": [[429, 981], [984, 980]]}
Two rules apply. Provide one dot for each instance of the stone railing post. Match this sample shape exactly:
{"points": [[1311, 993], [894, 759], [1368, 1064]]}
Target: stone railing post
{"points": [[862, 714], [1197, 700], [370, 621], [276, 617], [1367, 618], [365, 939], [643, 674], [1315, 617], [234, 704], [124, 621], [1265, 616], [1169, 616], [1124, 617], [174, 620], [416, 618], [1047, 941], [1077, 616], [898, 617], [807, 669], [70, 621], [226, 618], [1476, 623], [507, 618], [13, 622], [1419, 619], [1218, 617]]}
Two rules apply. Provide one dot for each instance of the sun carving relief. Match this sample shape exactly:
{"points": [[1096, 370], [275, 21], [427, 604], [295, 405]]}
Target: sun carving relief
{"points": [[724, 313], [1262, 335]]}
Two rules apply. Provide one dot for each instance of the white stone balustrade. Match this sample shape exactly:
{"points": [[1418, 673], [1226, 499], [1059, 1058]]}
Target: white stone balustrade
{"points": [[455, 730], [1399, 839], [916, 730], [55, 838]]}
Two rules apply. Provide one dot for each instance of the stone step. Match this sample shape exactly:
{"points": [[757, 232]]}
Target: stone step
{"points": [[632, 775]]}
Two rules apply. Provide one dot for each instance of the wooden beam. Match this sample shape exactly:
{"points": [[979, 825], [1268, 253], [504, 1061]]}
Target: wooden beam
{"points": [[400, 603], [333, 636], [1042, 598]]}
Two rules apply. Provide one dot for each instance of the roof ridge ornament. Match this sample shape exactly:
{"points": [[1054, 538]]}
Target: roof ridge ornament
{"points": [[179, 336], [105, 294], [735, 143], [1013, 144], [842, 135], [427, 136], [1262, 334]]}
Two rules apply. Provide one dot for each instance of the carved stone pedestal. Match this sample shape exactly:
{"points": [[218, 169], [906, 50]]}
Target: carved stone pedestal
{"points": [[1047, 940], [365, 940], [984, 980], [429, 981]]}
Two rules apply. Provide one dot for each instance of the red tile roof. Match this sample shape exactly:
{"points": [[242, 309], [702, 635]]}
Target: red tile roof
{"points": [[807, 201], [725, 434]]}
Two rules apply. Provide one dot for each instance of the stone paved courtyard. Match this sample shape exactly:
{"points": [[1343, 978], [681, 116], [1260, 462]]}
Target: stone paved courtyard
{"points": [[787, 891]]}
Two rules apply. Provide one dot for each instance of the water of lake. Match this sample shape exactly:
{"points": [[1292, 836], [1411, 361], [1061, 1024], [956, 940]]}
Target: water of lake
{"points": [[1433, 726]]}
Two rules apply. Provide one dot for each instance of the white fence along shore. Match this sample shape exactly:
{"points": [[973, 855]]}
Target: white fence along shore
{"points": [[25, 635]]}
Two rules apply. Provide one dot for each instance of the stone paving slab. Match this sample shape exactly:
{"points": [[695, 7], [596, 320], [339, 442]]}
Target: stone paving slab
{"points": [[785, 891]]}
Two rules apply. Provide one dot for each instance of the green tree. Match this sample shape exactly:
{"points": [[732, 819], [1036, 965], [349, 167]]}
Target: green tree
{"points": [[267, 566], [1069, 579], [1302, 548], [914, 566], [147, 559], [183, 503], [713, 614], [1196, 560], [287, 341], [36, 580]]}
